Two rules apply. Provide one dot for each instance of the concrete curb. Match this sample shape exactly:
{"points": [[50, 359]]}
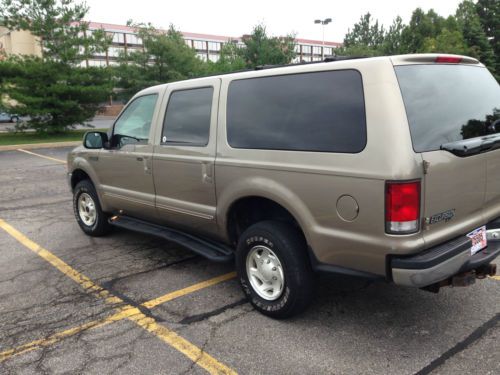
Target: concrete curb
{"points": [[40, 145]]}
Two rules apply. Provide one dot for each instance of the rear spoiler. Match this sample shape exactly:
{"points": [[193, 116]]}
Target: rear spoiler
{"points": [[429, 58]]}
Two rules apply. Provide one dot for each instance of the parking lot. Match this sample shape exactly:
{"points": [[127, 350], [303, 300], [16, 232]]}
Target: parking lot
{"points": [[128, 303]]}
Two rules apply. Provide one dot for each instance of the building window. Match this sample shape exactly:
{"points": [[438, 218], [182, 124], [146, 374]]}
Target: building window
{"points": [[115, 51], [200, 45], [118, 38], [213, 57], [306, 49], [133, 39], [317, 50], [214, 46], [202, 56]]}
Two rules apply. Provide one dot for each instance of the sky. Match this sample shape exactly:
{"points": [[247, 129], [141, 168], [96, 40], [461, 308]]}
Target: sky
{"points": [[235, 18]]}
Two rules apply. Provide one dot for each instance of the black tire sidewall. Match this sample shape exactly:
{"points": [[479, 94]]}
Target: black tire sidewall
{"points": [[100, 226], [289, 247]]}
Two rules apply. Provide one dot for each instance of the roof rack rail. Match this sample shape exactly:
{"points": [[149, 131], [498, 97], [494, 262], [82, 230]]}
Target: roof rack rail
{"points": [[342, 58], [332, 58]]}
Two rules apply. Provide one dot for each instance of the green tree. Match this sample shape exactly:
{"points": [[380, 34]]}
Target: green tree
{"points": [[489, 15], [55, 95], [366, 38], [165, 57], [474, 35], [421, 27], [53, 90], [393, 39], [58, 25], [230, 59], [261, 49], [366, 33], [446, 42]]}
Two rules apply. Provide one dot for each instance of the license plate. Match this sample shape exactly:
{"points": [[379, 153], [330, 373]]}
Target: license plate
{"points": [[478, 238]]}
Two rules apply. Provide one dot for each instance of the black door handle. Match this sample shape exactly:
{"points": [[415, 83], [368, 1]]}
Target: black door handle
{"points": [[139, 158]]}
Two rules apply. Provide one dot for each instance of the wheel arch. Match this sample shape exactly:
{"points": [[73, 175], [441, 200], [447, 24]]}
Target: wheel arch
{"points": [[82, 170], [250, 209]]}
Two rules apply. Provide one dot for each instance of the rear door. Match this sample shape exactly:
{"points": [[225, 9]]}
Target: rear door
{"points": [[184, 159], [452, 109]]}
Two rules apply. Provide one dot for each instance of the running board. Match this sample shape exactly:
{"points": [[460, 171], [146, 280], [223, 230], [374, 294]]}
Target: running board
{"points": [[214, 251]]}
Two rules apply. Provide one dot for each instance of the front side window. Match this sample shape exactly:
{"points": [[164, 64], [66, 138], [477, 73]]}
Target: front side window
{"points": [[134, 123], [187, 120], [320, 111]]}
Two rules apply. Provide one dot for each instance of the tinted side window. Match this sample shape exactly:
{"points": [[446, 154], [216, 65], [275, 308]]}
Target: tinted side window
{"points": [[321, 111], [187, 120], [134, 123]]}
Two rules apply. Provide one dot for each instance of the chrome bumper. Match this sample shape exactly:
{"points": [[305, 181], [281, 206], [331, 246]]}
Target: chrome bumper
{"points": [[443, 261]]}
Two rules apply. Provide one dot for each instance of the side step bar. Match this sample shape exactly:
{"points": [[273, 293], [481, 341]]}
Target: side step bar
{"points": [[214, 251]]}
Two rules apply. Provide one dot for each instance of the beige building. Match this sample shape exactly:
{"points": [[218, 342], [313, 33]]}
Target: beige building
{"points": [[124, 38], [207, 46], [18, 43]]}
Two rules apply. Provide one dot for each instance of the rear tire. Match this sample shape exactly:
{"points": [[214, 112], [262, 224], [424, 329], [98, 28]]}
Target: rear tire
{"points": [[274, 270], [14, 119], [88, 212]]}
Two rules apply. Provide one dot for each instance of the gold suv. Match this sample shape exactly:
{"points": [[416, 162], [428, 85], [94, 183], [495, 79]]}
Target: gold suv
{"points": [[383, 168]]}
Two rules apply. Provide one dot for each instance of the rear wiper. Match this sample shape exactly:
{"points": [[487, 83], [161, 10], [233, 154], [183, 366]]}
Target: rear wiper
{"points": [[473, 146]]}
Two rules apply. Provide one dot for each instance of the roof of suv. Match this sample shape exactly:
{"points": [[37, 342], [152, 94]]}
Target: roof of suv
{"points": [[344, 60]]}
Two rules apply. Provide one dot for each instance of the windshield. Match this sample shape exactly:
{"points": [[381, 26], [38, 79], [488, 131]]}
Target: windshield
{"points": [[448, 103]]}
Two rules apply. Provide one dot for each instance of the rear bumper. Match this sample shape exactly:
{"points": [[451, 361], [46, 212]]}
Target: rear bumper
{"points": [[443, 261]]}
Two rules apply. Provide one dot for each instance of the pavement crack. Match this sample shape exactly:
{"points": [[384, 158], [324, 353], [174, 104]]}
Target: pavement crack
{"points": [[460, 346], [200, 317], [110, 283]]}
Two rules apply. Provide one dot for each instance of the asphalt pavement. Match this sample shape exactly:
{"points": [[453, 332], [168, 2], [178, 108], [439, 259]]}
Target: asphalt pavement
{"points": [[129, 303]]}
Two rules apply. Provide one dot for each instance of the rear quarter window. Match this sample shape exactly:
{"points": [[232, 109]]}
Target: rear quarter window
{"points": [[320, 111]]}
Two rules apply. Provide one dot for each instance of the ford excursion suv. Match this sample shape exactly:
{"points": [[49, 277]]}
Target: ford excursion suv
{"points": [[382, 168]]}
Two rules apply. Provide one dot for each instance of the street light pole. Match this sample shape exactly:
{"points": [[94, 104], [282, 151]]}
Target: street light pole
{"points": [[324, 22]]}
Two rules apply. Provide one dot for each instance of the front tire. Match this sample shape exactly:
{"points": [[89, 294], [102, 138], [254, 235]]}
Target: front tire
{"points": [[89, 215], [274, 270]]}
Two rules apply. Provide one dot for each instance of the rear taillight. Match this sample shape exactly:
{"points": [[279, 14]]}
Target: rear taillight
{"points": [[402, 207], [448, 59]]}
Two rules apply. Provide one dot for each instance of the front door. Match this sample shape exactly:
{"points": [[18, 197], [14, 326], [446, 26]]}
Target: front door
{"points": [[125, 170], [185, 154]]}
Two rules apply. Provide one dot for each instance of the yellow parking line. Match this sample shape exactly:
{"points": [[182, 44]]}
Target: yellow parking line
{"points": [[190, 289], [52, 339], [190, 350], [124, 313], [41, 156], [76, 276]]}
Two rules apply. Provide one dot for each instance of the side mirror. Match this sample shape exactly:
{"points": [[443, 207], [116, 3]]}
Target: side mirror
{"points": [[95, 140]]}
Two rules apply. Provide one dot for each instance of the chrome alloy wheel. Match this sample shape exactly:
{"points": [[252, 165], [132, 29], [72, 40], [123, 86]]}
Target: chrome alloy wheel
{"points": [[86, 209], [265, 272]]}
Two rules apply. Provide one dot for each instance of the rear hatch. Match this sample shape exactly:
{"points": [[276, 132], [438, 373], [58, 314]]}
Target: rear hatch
{"points": [[453, 110]]}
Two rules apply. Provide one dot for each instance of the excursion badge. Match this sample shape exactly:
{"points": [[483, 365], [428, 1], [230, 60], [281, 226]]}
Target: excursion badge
{"points": [[442, 216]]}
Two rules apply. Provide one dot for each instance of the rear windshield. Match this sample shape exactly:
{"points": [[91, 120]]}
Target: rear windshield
{"points": [[448, 103]]}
